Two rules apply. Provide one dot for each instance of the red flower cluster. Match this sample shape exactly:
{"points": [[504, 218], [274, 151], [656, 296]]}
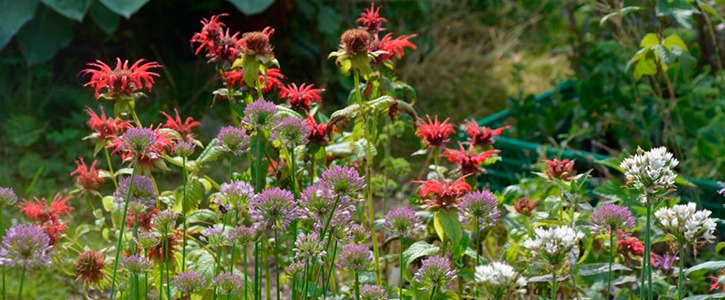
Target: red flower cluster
{"points": [[301, 96], [144, 219], [183, 128], [481, 135], [435, 133], [222, 47], [442, 194], [87, 179], [319, 134], [48, 217], [123, 81], [148, 159], [559, 169], [719, 281], [371, 19], [467, 159], [630, 245], [104, 128], [157, 253], [273, 80], [392, 47]]}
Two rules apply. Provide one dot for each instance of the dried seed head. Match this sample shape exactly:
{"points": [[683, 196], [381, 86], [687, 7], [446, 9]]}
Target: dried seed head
{"points": [[356, 41]]}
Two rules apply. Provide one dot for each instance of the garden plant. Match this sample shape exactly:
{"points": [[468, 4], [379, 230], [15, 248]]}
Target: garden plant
{"points": [[303, 208]]}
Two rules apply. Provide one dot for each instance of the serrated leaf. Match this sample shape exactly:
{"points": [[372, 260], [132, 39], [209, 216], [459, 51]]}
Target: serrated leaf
{"points": [[13, 15], [72, 9], [125, 8], [418, 250], [600, 268], [251, 7], [706, 266]]}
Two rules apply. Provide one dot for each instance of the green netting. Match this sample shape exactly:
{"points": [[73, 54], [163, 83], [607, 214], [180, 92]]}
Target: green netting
{"points": [[520, 157]]}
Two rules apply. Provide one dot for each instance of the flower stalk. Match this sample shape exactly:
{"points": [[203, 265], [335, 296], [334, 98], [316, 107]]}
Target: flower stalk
{"points": [[119, 244]]}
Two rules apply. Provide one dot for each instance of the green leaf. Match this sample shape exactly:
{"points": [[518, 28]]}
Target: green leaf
{"points": [[448, 223], [719, 246], [645, 67], [250, 72], [107, 203], [649, 40], [125, 8], [203, 215], [251, 7], [620, 13], [418, 250], [13, 15], [705, 297], [707, 266], [600, 268], [679, 10], [104, 17], [674, 41], [44, 36], [72, 9]]}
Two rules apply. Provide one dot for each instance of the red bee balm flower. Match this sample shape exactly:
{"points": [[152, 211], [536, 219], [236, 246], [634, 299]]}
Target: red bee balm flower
{"points": [[87, 179], [443, 194], [319, 134], [467, 159], [39, 210], [183, 128], [302, 96], [482, 135], [371, 20], [122, 81], [434, 133], [395, 47], [719, 281], [105, 129], [157, 253], [273, 80], [559, 169], [211, 32]]}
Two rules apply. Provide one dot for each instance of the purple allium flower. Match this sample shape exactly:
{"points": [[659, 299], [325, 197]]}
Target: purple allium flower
{"points": [[136, 264], [137, 140], [147, 239], [165, 220], [25, 246], [292, 131], [214, 236], [241, 235], [295, 268], [317, 201], [343, 180], [236, 193], [358, 233], [610, 217], [402, 221], [309, 247], [372, 292], [143, 193], [355, 256], [228, 283], [189, 282], [184, 148], [665, 262], [435, 272], [7, 197], [233, 139], [261, 114], [480, 205], [273, 207]]}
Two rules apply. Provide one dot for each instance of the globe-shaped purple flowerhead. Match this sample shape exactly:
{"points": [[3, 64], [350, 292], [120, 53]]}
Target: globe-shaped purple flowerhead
{"points": [[228, 283], [7, 197], [189, 282], [402, 221], [136, 264], [292, 131], [233, 139], [480, 205], [372, 292], [273, 207], [142, 196], [355, 257], [344, 181], [236, 194], [184, 148], [138, 140], [25, 246], [611, 217], [435, 272], [260, 115]]}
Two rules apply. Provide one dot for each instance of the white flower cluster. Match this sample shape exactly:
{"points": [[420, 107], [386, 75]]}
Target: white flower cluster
{"points": [[687, 224], [553, 244], [650, 171], [500, 279]]}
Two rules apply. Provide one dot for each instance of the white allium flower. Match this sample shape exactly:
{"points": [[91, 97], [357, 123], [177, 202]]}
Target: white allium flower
{"points": [[553, 244], [650, 171], [500, 279], [687, 224]]}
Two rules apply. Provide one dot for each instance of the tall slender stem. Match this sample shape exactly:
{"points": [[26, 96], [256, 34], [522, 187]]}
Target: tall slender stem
{"points": [[400, 261], [433, 292], [307, 275], [553, 286], [138, 287], [276, 261], [259, 180], [478, 251], [161, 279], [680, 275], [649, 251], [119, 245], [257, 278], [2, 232], [368, 178], [329, 272], [244, 265], [183, 212], [293, 166], [110, 167], [267, 276], [166, 257], [357, 285], [20, 289], [611, 262]]}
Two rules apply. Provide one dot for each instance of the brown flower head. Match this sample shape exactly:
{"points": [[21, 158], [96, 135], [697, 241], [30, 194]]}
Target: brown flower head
{"points": [[559, 169], [89, 267], [356, 41], [257, 42], [525, 206]]}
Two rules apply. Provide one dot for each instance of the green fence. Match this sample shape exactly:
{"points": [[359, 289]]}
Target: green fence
{"points": [[520, 157]]}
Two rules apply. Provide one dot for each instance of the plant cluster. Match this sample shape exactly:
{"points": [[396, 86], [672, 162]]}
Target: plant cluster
{"points": [[297, 215]]}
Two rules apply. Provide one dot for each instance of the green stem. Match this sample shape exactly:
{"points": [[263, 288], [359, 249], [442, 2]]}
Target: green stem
{"points": [[680, 275], [553, 286], [435, 159], [276, 261], [183, 211], [611, 262], [267, 276], [433, 292], [166, 262], [293, 166], [119, 245], [478, 251], [329, 272], [110, 167], [244, 265], [2, 232], [357, 286], [256, 270], [649, 251], [22, 280], [259, 181], [307, 275], [400, 261], [138, 287], [161, 279]]}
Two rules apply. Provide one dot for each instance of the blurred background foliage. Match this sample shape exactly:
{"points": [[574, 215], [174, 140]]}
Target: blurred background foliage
{"points": [[474, 58]]}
